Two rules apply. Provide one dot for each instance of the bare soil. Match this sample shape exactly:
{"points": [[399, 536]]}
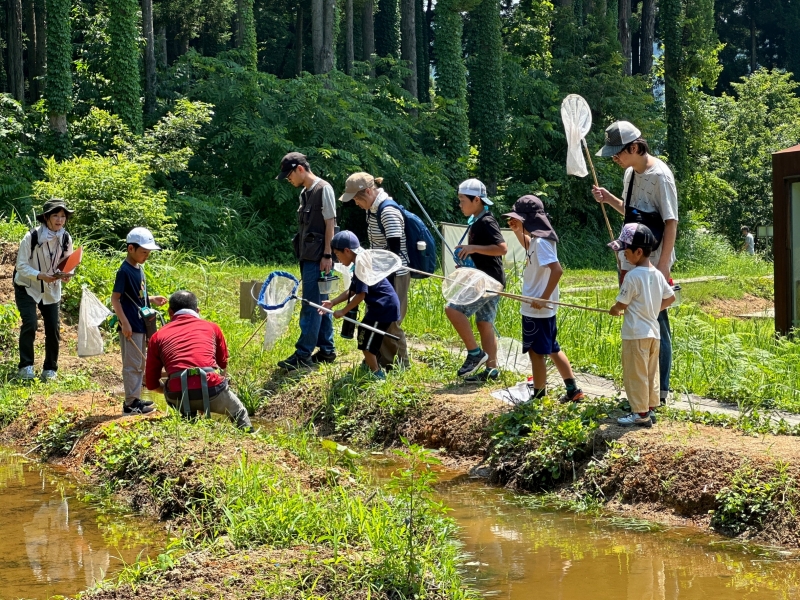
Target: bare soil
{"points": [[8, 259], [735, 307]]}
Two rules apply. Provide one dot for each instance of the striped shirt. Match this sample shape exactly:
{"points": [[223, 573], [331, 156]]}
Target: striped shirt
{"points": [[393, 224]]}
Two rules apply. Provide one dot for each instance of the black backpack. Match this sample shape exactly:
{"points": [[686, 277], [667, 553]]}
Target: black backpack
{"points": [[65, 241]]}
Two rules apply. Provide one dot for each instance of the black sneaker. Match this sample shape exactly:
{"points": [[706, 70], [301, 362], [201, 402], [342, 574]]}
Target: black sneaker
{"points": [[323, 357], [294, 363], [137, 407], [472, 364], [488, 374], [146, 402], [575, 396]]}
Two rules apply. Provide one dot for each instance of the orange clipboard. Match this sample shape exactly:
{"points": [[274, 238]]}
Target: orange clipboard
{"points": [[68, 263]]}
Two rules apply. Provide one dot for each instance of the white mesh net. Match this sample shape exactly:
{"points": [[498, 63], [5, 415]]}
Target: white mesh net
{"points": [[277, 301], [577, 118], [347, 276], [374, 265], [465, 286], [277, 324], [91, 315]]}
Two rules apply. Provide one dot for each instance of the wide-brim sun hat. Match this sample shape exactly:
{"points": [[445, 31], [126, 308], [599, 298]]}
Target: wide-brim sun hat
{"points": [[53, 205]]}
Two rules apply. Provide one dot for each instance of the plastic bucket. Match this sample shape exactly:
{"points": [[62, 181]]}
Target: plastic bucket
{"points": [[328, 284]]}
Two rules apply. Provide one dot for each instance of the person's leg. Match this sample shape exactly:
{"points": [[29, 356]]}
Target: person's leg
{"points": [[27, 333], [310, 319], [228, 403], [371, 342], [132, 366], [539, 370], [372, 361], [325, 331], [488, 342], [653, 373], [665, 354], [397, 348], [463, 328], [635, 358], [52, 335]]}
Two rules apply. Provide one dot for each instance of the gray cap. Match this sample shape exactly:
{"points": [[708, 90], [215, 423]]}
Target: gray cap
{"points": [[618, 135]]}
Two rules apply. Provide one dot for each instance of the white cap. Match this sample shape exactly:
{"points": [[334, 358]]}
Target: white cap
{"points": [[143, 237], [474, 187]]}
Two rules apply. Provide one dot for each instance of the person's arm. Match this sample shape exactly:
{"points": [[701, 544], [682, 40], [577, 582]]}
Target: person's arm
{"points": [[491, 232], [221, 352], [556, 271], [667, 302], [153, 365], [667, 246], [603, 196], [124, 324], [617, 309], [326, 264], [24, 268], [357, 299], [394, 229]]}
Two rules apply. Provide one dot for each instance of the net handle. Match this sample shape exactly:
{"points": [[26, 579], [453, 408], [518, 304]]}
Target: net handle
{"points": [[359, 323]]}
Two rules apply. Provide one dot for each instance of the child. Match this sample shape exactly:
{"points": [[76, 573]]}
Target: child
{"points": [[128, 297], [643, 295], [486, 247], [383, 305], [540, 280]]}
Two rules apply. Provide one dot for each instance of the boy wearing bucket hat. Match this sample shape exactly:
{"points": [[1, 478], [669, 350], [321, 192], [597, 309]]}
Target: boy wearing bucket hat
{"points": [[540, 279], [643, 295], [650, 198], [486, 247], [383, 305], [128, 297], [38, 285]]}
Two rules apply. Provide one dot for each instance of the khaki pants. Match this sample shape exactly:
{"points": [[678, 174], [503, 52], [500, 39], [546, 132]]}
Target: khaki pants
{"points": [[391, 348], [133, 363], [640, 373], [225, 403]]}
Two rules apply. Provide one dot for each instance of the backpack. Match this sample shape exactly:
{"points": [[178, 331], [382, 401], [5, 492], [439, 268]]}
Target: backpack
{"points": [[416, 231], [65, 241]]}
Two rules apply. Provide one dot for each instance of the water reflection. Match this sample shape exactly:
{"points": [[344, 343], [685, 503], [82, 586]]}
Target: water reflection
{"points": [[55, 544]]}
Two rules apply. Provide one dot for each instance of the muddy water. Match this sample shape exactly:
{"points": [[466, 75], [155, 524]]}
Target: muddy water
{"points": [[521, 553], [53, 543]]}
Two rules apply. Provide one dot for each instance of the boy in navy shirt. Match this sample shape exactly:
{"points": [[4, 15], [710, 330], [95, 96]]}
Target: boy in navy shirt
{"points": [[128, 297], [383, 305]]}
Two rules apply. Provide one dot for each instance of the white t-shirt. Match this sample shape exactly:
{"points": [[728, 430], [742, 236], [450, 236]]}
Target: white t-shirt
{"points": [[536, 275], [749, 244], [653, 191], [643, 290]]}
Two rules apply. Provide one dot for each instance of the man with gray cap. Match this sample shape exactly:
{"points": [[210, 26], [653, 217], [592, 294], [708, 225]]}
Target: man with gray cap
{"points": [[650, 198], [316, 217]]}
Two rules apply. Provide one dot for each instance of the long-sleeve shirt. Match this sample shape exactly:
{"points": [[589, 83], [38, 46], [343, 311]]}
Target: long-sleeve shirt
{"points": [[185, 342], [44, 259]]}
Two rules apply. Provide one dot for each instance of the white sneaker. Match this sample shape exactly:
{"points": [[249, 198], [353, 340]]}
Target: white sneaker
{"points": [[48, 374], [26, 373], [634, 419]]}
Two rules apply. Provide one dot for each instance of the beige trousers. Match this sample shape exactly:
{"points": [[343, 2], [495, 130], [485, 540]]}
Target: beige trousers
{"points": [[391, 348], [640, 373]]}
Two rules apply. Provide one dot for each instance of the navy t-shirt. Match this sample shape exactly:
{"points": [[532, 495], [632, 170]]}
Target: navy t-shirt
{"points": [[130, 282], [382, 302]]}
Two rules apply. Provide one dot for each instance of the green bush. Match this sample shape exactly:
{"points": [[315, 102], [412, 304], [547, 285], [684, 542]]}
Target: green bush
{"points": [[17, 166], [110, 196]]}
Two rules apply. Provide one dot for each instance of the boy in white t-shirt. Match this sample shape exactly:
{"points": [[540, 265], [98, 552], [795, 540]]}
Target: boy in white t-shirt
{"points": [[540, 280], [643, 295]]}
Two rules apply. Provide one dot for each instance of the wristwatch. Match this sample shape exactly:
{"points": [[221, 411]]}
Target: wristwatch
{"points": [[327, 256]]}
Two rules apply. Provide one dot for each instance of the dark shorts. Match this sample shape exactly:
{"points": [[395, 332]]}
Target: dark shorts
{"points": [[539, 335], [369, 341]]}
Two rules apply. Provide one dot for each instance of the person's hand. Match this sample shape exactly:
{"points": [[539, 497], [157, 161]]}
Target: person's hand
{"points": [[615, 311], [325, 304], [325, 265], [158, 300], [464, 251], [665, 272], [125, 327], [66, 277], [515, 225], [46, 278], [601, 194], [538, 305], [338, 314]]}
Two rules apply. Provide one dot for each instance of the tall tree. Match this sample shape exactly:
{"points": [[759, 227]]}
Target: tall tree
{"points": [[368, 30], [349, 52], [14, 65], [647, 36], [624, 33], [58, 81], [40, 55], [322, 12], [29, 20], [123, 61], [387, 28], [298, 40], [671, 32], [149, 57], [246, 32], [408, 42], [423, 60], [486, 101]]}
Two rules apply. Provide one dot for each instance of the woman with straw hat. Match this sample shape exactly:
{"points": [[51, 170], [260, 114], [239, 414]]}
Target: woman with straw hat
{"points": [[37, 283]]}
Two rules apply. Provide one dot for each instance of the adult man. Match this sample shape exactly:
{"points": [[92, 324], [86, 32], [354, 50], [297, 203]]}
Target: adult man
{"points": [[651, 198], [312, 246], [749, 244], [194, 347]]}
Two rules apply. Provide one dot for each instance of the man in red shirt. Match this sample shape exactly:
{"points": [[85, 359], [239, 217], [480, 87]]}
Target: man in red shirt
{"points": [[188, 342]]}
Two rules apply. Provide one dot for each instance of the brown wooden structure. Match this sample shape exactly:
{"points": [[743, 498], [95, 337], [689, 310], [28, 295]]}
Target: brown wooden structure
{"points": [[786, 243]]}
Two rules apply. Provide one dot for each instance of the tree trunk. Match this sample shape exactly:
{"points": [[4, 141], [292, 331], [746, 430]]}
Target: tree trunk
{"points": [[239, 24], [29, 19], [298, 40], [368, 30], [753, 57], [40, 58], [349, 54], [329, 12], [149, 57], [317, 33], [625, 33], [648, 34], [14, 69], [423, 62], [408, 43], [161, 41]]}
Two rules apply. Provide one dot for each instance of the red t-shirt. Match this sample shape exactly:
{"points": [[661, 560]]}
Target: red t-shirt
{"points": [[183, 343]]}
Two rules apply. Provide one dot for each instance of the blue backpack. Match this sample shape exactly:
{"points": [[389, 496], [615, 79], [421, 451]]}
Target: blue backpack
{"points": [[416, 231]]}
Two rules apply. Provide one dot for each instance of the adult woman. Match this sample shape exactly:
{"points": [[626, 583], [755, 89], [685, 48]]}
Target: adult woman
{"points": [[37, 284], [386, 229]]}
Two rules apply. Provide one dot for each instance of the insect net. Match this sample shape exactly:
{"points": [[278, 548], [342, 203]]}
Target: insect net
{"points": [[466, 285], [577, 119], [91, 315], [277, 299], [374, 265]]}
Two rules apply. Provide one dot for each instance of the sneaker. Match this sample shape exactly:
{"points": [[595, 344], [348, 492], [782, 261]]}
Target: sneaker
{"points": [[379, 375], [323, 357], [472, 364], [485, 375], [575, 396], [146, 402], [635, 419], [136, 408], [48, 374], [294, 363], [26, 373], [653, 418]]}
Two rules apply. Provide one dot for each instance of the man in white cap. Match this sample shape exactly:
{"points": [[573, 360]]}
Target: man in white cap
{"points": [[650, 198]]}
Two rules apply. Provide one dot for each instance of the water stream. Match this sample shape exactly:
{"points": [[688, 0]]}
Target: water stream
{"points": [[54, 543]]}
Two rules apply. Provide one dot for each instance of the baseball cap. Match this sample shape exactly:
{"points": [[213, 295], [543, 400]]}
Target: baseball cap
{"points": [[530, 210], [354, 184], [143, 237], [474, 187], [346, 240], [633, 235], [618, 135], [290, 162]]}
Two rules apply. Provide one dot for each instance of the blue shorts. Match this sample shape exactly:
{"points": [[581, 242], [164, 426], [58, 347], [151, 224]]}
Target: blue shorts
{"points": [[484, 309], [539, 335]]}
